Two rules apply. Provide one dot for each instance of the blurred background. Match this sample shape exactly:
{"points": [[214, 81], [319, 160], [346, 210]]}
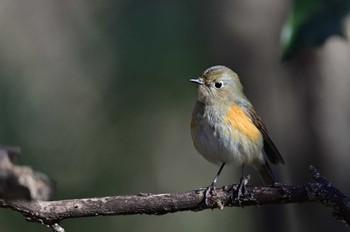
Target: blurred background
{"points": [[97, 95]]}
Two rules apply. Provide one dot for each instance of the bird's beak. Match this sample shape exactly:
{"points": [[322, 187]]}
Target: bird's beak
{"points": [[198, 81]]}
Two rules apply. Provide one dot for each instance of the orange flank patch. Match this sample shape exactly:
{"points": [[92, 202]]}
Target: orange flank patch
{"points": [[241, 123]]}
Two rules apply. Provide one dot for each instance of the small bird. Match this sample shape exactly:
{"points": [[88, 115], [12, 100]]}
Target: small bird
{"points": [[226, 129]]}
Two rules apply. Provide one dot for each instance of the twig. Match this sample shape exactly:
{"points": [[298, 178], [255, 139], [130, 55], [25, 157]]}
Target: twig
{"points": [[21, 182], [52, 212], [323, 191]]}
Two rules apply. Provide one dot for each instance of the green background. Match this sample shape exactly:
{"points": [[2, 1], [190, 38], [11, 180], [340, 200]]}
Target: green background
{"points": [[97, 95]]}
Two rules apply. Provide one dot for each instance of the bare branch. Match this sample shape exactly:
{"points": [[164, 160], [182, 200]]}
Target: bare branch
{"points": [[323, 191], [21, 182], [52, 212]]}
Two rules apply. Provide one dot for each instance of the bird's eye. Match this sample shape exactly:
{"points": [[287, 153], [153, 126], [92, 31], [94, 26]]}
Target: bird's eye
{"points": [[218, 84]]}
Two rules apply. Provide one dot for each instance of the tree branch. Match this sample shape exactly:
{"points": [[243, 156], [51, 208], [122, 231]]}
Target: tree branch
{"points": [[323, 191], [21, 182], [52, 212]]}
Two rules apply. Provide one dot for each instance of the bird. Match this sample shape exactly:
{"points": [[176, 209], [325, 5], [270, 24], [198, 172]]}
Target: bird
{"points": [[225, 128]]}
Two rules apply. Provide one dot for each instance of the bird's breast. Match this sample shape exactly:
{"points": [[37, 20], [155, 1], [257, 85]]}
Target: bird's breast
{"points": [[225, 136]]}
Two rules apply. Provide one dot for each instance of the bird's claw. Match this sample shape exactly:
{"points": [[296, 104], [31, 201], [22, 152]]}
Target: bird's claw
{"points": [[240, 190], [207, 193]]}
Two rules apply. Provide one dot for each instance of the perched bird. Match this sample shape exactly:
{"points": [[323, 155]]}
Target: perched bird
{"points": [[226, 129]]}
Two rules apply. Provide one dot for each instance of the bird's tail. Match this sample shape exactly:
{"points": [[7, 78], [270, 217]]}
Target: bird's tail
{"points": [[267, 174]]}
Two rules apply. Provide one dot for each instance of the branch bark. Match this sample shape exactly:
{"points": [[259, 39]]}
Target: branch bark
{"points": [[52, 212], [323, 191]]}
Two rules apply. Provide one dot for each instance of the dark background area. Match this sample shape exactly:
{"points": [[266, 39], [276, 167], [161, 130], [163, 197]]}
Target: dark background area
{"points": [[97, 95]]}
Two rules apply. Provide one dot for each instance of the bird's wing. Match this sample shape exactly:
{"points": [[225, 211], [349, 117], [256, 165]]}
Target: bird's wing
{"points": [[270, 149]]}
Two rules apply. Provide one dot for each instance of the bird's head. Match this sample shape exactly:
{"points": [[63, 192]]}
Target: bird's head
{"points": [[218, 85]]}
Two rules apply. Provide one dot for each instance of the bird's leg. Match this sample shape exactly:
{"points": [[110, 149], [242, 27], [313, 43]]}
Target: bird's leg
{"points": [[240, 190], [211, 187]]}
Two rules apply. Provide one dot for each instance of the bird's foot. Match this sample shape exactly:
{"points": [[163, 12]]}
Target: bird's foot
{"points": [[208, 192], [240, 190]]}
